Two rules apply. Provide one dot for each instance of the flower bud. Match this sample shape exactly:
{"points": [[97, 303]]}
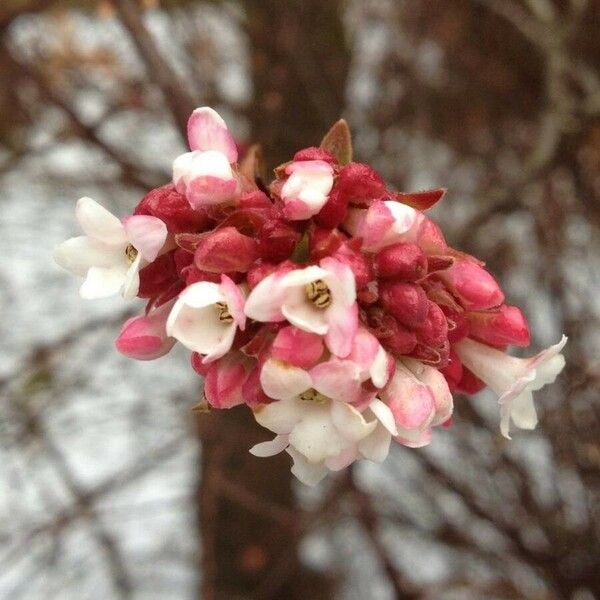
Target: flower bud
{"points": [[430, 237], [158, 276], [324, 242], [475, 288], [297, 347], [313, 153], [276, 241], [406, 302], [145, 337], [403, 261], [361, 269], [225, 250], [505, 326], [173, 209], [434, 330], [453, 371]]}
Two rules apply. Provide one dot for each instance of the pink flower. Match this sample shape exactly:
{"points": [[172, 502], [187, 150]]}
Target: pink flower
{"points": [[205, 175], [112, 252], [318, 299], [382, 224], [206, 316], [513, 379], [307, 188], [145, 337]]}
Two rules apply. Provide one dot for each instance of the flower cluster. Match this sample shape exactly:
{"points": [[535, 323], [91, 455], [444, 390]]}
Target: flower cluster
{"points": [[330, 305]]}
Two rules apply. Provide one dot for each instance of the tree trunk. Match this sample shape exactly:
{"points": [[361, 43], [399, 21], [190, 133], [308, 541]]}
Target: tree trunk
{"points": [[247, 505]]}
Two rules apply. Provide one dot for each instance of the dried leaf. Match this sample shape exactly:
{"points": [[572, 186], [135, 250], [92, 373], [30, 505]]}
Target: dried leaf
{"points": [[338, 142], [421, 200]]}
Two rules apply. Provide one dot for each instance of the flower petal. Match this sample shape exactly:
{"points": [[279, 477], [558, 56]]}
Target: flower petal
{"points": [[281, 380], [270, 448], [350, 423], [78, 254], [376, 446], [235, 301], [307, 473], [146, 234], [207, 130], [343, 325], [99, 223], [101, 282], [338, 379], [265, 300], [384, 414], [280, 417], [131, 284]]}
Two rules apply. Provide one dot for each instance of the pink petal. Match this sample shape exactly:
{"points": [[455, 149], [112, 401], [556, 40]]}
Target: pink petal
{"points": [[205, 190], [207, 130], [339, 379], [297, 210], [146, 234], [343, 325], [223, 382]]}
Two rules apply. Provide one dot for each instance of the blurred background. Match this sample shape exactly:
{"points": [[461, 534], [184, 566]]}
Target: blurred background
{"points": [[110, 486]]}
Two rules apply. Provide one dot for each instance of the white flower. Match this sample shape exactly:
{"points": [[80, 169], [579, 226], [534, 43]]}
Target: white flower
{"points": [[206, 316], [318, 299], [319, 429], [112, 252], [513, 379], [307, 189]]}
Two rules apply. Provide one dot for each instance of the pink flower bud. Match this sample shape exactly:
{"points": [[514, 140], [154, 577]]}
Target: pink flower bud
{"points": [[434, 330], [396, 338], [173, 209], [252, 391], [258, 272], [403, 261], [402, 341], [506, 326], [475, 288], [297, 347], [430, 237], [406, 302], [225, 250], [360, 184], [224, 380], [145, 337]]}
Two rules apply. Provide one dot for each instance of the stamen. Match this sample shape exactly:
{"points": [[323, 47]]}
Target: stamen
{"points": [[224, 314], [311, 395], [318, 293], [131, 253]]}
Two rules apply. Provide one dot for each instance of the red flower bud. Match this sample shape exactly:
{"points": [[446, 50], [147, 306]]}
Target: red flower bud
{"points": [[453, 371], [324, 242], [406, 302], [258, 272], [158, 276], [276, 241], [313, 153], [436, 357], [401, 342], [403, 261], [469, 384], [225, 250], [503, 327], [430, 237], [357, 261], [173, 209], [360, 184], [434, 330]]}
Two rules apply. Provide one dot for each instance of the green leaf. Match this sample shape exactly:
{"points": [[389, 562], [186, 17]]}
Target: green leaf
{"points": [[338, 142]]}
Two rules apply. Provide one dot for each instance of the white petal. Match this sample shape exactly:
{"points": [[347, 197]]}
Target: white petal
{"points": [[343, 459], [307, 473], [98, 223], [349, 422], [522, 411], [315, 436], [131, 285], [210, 163], [201, 294], [282, 380], [265, 300], [280, 417], [302, 313], [301, 277], [379, 368], [78, 254], [383, 412], [376, 446], [181, 166], [101, 282], [270, 448]]}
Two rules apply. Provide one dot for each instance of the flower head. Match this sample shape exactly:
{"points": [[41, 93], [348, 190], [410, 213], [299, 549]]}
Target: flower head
{"points": [[206, 316], [112, 252], [306, 190], [513, 379]]}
